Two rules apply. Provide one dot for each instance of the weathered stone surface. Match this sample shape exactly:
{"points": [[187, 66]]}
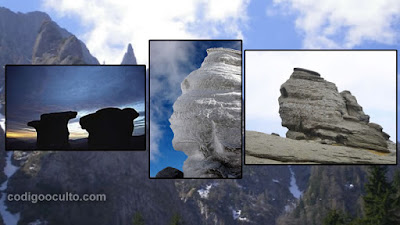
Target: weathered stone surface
{"points": [[295, 135], [129, 57], [269, 149], [207, 117], [55, 45], [169, 172], [52, 130], [109, 128], [312, 107]]}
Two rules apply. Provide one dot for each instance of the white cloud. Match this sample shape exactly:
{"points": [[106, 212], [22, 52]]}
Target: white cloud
{"points": [[156, 135], [113, 24], [369, 75], [343, 23], [166, 75]]}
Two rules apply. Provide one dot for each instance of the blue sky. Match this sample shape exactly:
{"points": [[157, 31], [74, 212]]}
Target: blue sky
{"points": [[107, 26]]}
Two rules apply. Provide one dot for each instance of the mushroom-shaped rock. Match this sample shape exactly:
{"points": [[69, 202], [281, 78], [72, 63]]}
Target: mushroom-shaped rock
{"points": [[169, 172], [312, 108], [110, 128], [207, 117], [52, 131]]}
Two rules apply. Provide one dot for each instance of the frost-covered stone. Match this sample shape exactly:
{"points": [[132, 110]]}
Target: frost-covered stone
{"points": [[207, 117], [312, 108]]}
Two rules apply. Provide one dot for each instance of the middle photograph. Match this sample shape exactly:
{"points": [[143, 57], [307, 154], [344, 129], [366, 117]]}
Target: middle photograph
{"points": [[195, 108]]}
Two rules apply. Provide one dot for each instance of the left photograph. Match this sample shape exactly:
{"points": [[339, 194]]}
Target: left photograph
{"points": [[75, 107]]}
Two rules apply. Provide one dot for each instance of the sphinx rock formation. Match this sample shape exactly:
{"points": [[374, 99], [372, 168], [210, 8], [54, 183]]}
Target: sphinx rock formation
{"points": [[52, 131], [129, 57], [169, 172], [312, 108], [110, 128], [207, 117]]}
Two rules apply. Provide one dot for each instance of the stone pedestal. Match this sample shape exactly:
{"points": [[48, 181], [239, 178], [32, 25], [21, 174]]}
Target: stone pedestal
{"points": [[52, 131]]}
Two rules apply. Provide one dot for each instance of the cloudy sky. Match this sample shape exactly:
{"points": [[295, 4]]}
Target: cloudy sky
{"points": [[369, 75], [107, 26], [35, 90]]}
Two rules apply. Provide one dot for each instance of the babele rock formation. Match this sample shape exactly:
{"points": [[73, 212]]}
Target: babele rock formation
{"points": [[312, 108], [52, 131], [110, 128], [207, 117]]}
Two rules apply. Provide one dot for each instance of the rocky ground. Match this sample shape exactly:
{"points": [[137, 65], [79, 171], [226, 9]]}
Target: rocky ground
{"points": [[270, 149]]}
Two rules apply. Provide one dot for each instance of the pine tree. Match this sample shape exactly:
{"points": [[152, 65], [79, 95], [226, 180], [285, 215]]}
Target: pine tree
{"points": [[379, 198], [176, 220], [396, 180], [396, 203], [333, 218], [138, 219]]}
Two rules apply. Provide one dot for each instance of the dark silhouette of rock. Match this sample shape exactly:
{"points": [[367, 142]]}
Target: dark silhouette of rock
{"points": [[110, 128], [129, 57], [52, 130], [169, 172], [313, 109]]}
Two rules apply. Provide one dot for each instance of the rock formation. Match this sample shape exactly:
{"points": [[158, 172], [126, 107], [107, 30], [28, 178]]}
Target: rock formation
{"points": [[312, 108], [52, 131], [264, 149], [207, 117], [55, 45], [169, 172], [18, 33], [110, 128], [129, 57]]}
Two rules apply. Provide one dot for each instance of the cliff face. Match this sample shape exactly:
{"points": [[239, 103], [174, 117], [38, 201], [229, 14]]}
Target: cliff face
{"points": [[312, 108], [54, 45], [207, 117], [340, 188], [260, 197], [122, 176], [17, 37]]}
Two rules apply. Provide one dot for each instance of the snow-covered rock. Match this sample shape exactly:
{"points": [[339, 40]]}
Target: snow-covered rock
{"points": [[204, 192], [207, 117]]}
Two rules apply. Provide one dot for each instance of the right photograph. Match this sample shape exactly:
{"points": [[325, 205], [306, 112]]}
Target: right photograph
{"points": [[320, 107]]}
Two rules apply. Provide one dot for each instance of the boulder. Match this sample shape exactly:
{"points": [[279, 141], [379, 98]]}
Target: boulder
{"points": [[110, 128], [207, 117], [52, 131], [312, 108], [169, 172]]}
